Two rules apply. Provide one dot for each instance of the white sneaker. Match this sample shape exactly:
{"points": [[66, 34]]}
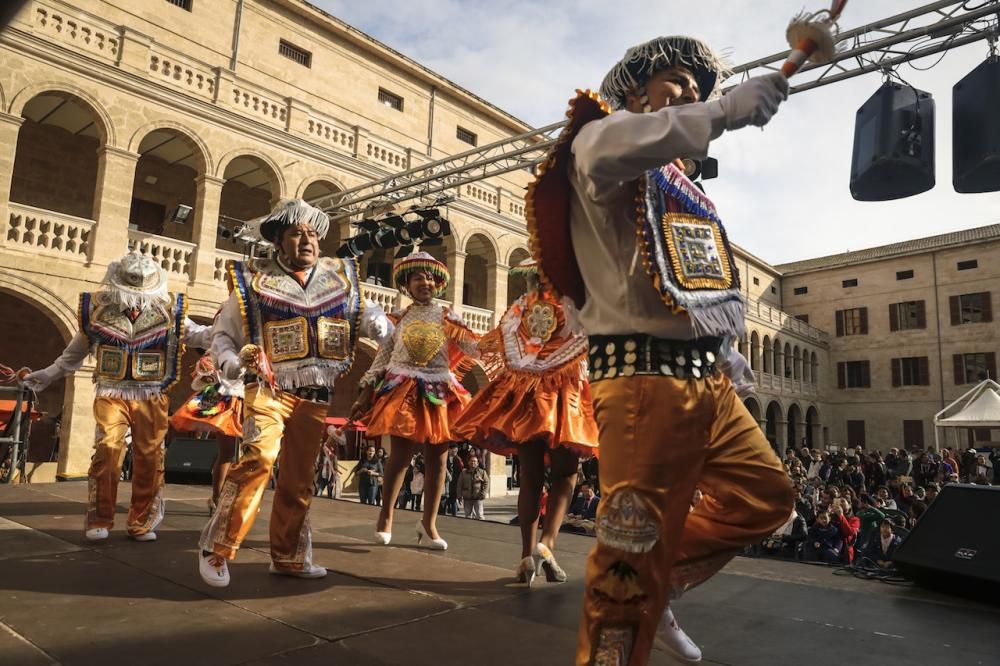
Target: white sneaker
{"points": [[148, 536], [96, 534], [671, 639], [383, 538], [213, 573], [312, 572]]}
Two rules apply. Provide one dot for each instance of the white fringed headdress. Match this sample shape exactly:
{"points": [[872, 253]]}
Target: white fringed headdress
{"points": [[642, 61], [135, 281], [292, 212]]}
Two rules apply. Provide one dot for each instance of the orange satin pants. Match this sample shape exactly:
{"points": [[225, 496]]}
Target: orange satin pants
{"points": [[282, 427], [661, 438], [148, 421]]}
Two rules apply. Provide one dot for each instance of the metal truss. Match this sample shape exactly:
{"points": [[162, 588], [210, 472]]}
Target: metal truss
{"points": [[880, 46]]}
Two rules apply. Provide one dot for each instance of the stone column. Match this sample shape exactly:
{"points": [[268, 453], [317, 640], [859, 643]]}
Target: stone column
{"points": [[456, 266], [76, 435], [112, 204], [497, 469], [206, 225], [9, 128], [781, 435], [496, 293]]}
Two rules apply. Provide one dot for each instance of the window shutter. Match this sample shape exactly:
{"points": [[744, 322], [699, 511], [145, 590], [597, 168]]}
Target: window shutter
{"points": [[925, 371], [866, 378], [956, 311], [840, 323], [987, 308], [841, 375], [894, 316], [864, 321], [991, 365], [921, 314], [897, 372], [959, 361]]}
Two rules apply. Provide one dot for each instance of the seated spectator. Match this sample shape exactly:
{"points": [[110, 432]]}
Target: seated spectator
{"points": [[916, 510], [887, 501], [881, 549], [870, 518], [585, 504], [982, 471], [931, 492], [786, 539], [823, 541], [848, 524]]}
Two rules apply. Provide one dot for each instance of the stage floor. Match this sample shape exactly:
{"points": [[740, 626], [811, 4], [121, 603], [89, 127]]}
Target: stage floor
{"points": [[64, 600]]}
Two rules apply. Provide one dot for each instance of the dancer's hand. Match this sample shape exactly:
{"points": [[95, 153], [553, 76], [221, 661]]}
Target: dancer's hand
{"points": [[754, 102], [39, 380]]}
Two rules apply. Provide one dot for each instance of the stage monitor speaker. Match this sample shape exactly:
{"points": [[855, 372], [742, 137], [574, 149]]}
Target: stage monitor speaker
{"points": [[956, 544], [976, 129], [893, 144], [190, 458]]}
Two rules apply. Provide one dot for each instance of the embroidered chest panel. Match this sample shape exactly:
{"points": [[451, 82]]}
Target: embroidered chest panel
{"points": [[107, 318], [328, 285], [698, 255]]}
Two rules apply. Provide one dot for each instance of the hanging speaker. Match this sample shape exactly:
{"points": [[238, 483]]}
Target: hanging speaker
{"points": [[893, 144], [976, 129]]}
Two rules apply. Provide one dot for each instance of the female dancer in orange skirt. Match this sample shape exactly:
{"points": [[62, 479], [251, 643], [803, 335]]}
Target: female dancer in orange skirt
{"points": [[538, 407], [216, 406], [417, 395]]}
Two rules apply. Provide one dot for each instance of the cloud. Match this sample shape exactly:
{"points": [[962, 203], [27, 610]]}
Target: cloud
{"points": [[783, 191]]}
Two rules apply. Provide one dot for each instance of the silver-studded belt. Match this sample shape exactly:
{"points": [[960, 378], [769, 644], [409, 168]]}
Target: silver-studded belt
{"points": [[639, 354], [310, 393]]}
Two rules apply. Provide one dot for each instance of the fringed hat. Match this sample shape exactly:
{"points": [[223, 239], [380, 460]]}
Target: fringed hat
{"points": [[292, 212], [642, 61], [422, 261], [528, 267], [135, 281]]}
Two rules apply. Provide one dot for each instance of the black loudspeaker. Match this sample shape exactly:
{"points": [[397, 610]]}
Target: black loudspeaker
{"points": [[976, 129], [893, 144], [956, 544], [190, 459]]}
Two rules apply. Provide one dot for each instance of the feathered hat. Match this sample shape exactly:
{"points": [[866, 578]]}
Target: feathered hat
{"points": [[641, 62], [135, 281], [292, 212], [422, 261]]}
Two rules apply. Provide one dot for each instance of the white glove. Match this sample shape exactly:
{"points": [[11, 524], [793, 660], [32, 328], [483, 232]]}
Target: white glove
{"points": [[754, 102], [39, 380], [736, 368], [374, 323]]}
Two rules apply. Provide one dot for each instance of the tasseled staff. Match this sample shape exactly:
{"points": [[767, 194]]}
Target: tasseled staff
{"points": [[812, 38]]}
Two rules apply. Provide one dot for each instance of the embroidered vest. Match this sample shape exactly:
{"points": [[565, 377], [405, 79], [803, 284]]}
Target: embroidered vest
{"points": [[309, 333], [687, 253], [535, 335], [135, 359]]}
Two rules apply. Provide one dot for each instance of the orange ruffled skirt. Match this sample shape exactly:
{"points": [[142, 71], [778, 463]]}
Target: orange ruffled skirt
{"points": [[404, 411], [519, 407], [193, 417]]}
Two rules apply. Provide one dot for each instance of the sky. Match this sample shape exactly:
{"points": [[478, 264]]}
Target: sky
{"points": [[782, 191]]}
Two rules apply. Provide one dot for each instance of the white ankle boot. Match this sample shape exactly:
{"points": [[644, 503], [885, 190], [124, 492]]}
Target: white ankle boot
{"points": [[672, 639]]}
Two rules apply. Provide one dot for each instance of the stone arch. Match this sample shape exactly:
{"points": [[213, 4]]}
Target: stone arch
{"points": [[812, 427], [171, 162], [796, 363], [3, 98], [814, 365], [774, 415], [61, 313], [516, 284], [225, 160], [754, 351], [480, 271], [787, 361], [335, 181], [768, 355], [806, 370], [203, 152], [106, 126], [753, 406], [794, 419]]}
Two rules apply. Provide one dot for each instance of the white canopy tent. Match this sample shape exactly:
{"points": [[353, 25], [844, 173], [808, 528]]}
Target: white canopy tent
{"points": [[977, 408]]}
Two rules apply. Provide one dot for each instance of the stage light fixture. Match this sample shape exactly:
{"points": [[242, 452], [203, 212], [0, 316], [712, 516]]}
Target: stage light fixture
{"points": [[181, 214]]}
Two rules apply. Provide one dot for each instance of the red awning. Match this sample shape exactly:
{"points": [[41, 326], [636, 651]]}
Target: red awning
{"points": [[7, 410], [341, 422]]}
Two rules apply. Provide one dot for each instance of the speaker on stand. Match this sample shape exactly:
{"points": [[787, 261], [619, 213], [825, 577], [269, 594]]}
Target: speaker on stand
{"points": [[893, 144], [976, 129]]}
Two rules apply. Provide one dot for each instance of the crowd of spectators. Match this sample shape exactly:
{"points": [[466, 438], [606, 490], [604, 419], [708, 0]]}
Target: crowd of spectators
{"points": [[852, 506]]}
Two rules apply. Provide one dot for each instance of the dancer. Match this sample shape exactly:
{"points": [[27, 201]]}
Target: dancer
{"points": [[417, 395], [538, 408], [216, 407], [620, 229], [291, 323], [137, 330]]}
